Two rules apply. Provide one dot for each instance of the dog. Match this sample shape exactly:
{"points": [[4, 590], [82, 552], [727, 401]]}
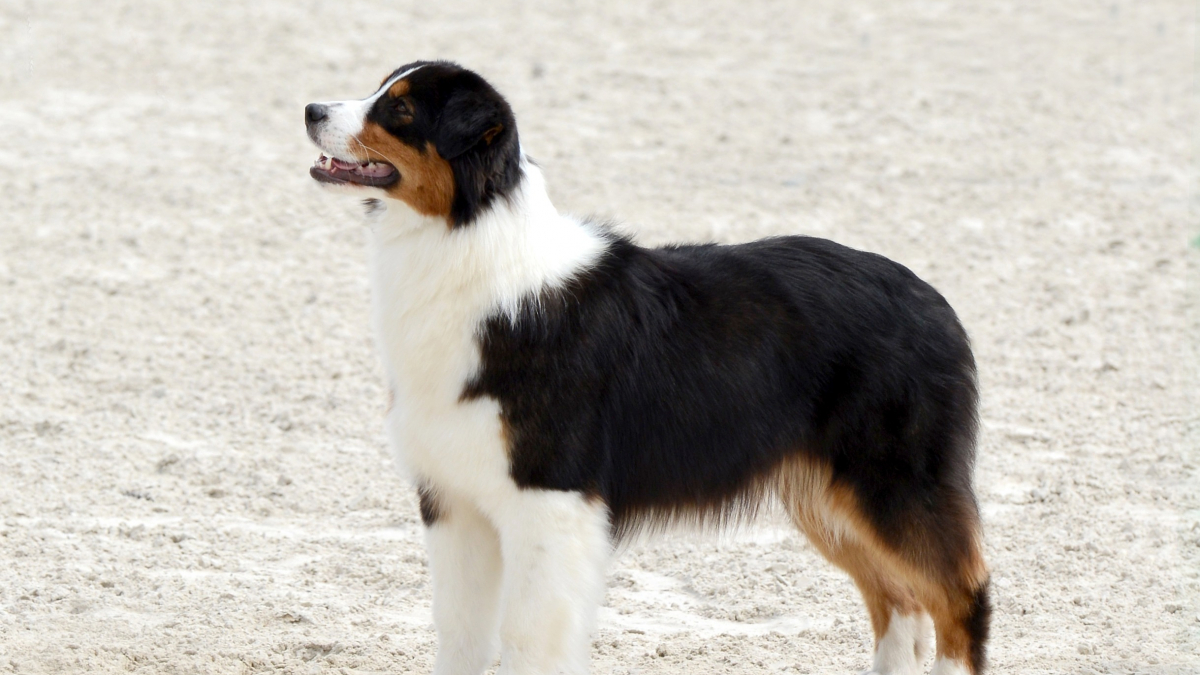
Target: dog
{"points": [[556, 389]]}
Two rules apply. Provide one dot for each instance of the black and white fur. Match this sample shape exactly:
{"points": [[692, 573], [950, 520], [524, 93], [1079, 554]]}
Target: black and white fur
{"points": [[557, 387]]}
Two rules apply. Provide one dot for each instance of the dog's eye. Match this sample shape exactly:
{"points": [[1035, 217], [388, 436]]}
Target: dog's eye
{"points": [[402, 107]]}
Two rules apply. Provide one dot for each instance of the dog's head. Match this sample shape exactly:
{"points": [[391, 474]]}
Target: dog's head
{"points": [[434, 136]]}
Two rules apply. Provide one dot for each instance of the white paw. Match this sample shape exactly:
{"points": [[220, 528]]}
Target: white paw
{"points": [[903, 649]]}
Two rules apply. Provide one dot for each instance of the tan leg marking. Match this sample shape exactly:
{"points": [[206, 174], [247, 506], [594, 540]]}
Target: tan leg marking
{"points": [[904, 580]]}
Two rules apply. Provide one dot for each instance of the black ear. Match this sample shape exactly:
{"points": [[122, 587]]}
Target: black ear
{"points": [[477, 135], [468, 119]]}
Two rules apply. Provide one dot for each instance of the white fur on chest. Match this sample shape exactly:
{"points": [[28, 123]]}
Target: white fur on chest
{"points": [[432, 289]]}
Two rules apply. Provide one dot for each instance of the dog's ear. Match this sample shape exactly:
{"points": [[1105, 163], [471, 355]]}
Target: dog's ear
{"points": [[477, 135], [468, 119]]}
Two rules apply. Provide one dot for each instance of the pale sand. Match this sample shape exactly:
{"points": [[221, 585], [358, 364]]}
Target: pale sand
{"points": [[192, 476]]}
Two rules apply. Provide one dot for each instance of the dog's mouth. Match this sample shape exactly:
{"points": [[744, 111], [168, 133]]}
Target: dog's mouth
{"points": [[370, 174]]}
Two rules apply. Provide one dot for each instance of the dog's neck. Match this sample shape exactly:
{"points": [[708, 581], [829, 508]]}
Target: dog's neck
{"points": [[519, 246]]}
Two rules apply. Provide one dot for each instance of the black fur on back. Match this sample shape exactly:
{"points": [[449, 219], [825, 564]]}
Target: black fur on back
{"points": [[669, 382]]}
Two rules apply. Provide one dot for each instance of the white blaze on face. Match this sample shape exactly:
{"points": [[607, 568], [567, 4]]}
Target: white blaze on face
{"points": [[337, 135]]}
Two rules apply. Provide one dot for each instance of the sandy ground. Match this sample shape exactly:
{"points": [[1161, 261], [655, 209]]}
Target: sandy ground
{"points": [[192, 473]]}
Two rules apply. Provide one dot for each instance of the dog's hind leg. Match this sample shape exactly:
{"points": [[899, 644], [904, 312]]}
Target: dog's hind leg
{"points": [[934, 569], [942, 560], [903, 631]]}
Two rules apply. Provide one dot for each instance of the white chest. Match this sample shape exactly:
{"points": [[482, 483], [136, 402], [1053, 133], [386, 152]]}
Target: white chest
{"points": [[426, 322], [432, 290]]}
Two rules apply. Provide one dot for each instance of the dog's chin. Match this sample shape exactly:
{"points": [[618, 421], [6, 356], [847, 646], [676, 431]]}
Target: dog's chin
{"points": [[360, 191]]}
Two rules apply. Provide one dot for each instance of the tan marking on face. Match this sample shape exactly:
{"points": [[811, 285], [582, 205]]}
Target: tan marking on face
{"points": [[426, 180], [400, 88]]}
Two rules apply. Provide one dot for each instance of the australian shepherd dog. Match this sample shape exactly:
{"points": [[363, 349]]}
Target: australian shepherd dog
{"points": [[556, 388]]}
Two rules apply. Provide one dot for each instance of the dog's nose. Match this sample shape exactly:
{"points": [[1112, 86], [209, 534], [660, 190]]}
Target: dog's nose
{"points": [[315, 112]]}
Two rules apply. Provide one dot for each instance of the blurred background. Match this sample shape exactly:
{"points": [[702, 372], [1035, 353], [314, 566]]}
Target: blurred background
{"points": [[192, 470]]}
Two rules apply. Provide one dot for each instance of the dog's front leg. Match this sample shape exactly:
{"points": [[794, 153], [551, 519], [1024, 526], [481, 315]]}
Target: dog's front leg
{"points": [[464, 560], [556, 548]]}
